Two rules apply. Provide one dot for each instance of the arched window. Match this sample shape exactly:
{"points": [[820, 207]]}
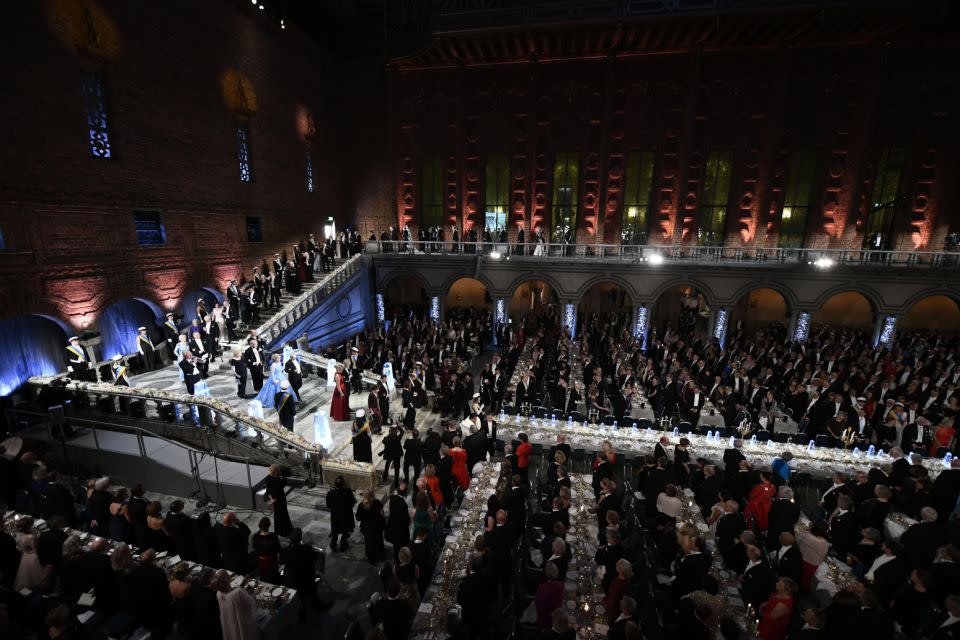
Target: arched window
{"points": [[566, 174]]}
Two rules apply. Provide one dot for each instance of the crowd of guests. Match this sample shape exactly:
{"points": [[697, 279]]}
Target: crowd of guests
{"points": [[46, 573]]}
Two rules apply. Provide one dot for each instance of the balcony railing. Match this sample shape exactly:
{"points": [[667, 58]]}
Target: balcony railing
{"points": [[658, 254], [156, 410]]}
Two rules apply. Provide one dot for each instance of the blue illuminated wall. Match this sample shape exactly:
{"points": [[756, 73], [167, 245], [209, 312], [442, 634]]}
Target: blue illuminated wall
{"points": [[188, 305], [118, 327], [31, 346]]}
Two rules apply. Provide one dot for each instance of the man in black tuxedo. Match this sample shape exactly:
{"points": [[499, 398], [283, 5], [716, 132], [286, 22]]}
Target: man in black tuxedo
{"points": [[232, 537], [946, 491], [500, 543], [191, 372], [201, 346], [286, 405], [921, 540], [475, 444], [412, 455], [757, 581], [840, 486], [784, 514], [729, 527], [786, 559], [383, 398], [180, 527], [394, 612], [253, 356], [294, 371], [392, 453], [691, 570], [473, 596]]}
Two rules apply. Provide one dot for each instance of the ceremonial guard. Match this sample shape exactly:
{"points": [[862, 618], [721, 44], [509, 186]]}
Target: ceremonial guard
{"points": [[120, 372], [172, 335], [286, 405], [145, 348], [77, 360]]}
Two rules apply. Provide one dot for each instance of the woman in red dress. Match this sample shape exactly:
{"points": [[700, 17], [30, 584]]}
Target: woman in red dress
{"points": [[460, 472], [524, 449], [340, 405], [777, 611], [942, 437]]}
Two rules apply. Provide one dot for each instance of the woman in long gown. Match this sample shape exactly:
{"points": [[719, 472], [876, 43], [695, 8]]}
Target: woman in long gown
{"points": [[277, 498], [460, 471], [340, 405], [271, 386], [178, 350], [372, 523]]}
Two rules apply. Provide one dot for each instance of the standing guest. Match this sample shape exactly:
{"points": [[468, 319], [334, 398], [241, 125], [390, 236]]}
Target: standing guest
{"points": [[286, 403], [157, 538], [233, 535], [340, 403], [398, 520], [549, 596], [180, 528], [268, 395], [360, 435], [412, 456], [152, 595], [253, 356], [473, 596], [266, 549], [340, 501], [776, 612], [237, 609], [98, 508], [203, 350], [524, 450], [618, 588], [813, 546], [392, 453], [137, 509], [277, 499], [372, 525], [191, 372], [205, 542], [239, 367], [146, 350], [300, 562]]}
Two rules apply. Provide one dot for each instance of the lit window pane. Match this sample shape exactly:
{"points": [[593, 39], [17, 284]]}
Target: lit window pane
{"points": [[94, 100], [243, 152]]}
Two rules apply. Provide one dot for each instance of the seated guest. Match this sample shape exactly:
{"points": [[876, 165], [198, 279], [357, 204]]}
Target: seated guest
{"points": [[81, 571], [549, 596]]}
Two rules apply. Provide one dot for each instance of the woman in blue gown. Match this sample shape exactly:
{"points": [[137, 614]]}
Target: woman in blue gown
{"points": [[271, 386]]}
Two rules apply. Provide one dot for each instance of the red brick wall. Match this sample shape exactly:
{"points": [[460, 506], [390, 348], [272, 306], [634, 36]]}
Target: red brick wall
{"points": [[846, 104], [67, 217]]}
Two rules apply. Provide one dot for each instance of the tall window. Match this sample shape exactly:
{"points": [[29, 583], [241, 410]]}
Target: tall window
{"points": [[431, 195], [796, 199], [883, 204], [716, 195], [254, 229], [150, 231], [496, 181], [566, 172], [243, 152], [309, 165], [95, 104], [636, 199]]}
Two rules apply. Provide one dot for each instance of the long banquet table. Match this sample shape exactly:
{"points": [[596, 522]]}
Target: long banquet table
{"points": [[817, 461], [274, 603]]}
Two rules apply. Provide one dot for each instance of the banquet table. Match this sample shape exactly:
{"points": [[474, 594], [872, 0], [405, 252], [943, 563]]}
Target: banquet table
{"points": [[711, 420], [690, 514], [643, 413], [820, 462], [467, 523], [275, 603]]}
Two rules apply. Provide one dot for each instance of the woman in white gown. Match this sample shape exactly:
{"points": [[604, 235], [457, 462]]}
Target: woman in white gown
{"points": [[540, 249], [271, 386], [178, 350]]}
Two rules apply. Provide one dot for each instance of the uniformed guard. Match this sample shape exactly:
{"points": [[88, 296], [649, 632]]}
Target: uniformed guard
{"points": [[172, 335], [145, 347], [119, 369]]}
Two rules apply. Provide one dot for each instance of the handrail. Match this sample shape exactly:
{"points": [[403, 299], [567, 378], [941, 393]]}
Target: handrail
{"points": [[220, 414], [657, 254], [305, 302]]}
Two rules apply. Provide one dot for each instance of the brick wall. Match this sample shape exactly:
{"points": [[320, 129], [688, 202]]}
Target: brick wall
{"points": [[66, 217], [846, 104]]}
